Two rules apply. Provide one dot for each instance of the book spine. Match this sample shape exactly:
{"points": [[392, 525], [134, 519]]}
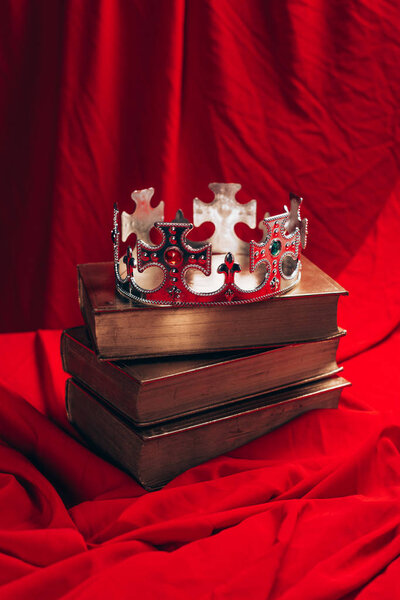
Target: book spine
{"points": [[112, 438], [64, 360], [87, 310], [105, 379]]}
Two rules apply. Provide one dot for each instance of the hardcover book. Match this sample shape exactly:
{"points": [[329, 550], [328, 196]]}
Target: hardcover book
{"points": [[120, 328], [154, 455], [152, 390]]}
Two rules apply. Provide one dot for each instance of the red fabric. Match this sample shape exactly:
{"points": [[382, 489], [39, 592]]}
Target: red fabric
{"points": [[99, 98], [310, 511]]}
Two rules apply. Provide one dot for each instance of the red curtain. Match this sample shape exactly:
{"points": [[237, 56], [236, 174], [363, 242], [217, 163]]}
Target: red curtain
{"points": [[100, 98]]}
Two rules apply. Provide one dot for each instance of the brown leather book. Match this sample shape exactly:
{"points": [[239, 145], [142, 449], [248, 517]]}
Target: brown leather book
{"points": [[154, 455], [121, 329], [156, 389]]}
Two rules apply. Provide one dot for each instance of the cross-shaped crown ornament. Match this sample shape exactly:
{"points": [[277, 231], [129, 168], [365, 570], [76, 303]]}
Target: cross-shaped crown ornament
{"points": [[220, 270]]}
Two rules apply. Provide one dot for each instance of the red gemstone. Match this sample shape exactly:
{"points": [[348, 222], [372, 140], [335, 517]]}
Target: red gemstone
{"points": [[173, 257]]}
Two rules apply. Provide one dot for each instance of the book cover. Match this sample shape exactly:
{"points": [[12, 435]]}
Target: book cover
{"points": [[152, 390], [154, 455], [121, 329]]}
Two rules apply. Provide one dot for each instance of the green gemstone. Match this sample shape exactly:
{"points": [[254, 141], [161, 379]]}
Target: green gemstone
{"points": [[275, 247]]}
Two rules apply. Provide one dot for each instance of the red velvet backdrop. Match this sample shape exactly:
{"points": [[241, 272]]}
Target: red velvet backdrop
{"points": [[100, 98]]}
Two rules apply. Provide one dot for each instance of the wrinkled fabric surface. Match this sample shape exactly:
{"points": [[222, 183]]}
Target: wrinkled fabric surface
{"points": [[100, 98], [309, 511]]}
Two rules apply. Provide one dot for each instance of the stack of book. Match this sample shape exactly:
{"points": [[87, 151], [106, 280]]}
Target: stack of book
{"points": [[159, 390]]}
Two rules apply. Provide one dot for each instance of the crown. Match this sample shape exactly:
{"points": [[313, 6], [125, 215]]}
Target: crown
{"points": [[222, 269]]}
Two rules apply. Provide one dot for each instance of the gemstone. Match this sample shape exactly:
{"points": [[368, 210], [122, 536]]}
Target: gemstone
{"points": [[174, 291], [173, 256], [274, 282], [275, 247]]}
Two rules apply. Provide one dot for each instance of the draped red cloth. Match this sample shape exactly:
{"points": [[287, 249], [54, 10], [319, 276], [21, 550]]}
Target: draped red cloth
{"points": [[100, 98]]}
